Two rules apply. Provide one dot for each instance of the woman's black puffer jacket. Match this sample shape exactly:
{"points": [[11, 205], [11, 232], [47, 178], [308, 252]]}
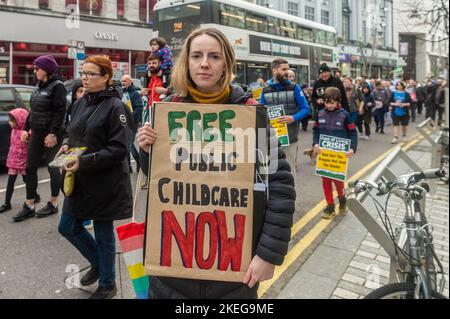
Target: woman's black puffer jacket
{"points": [[273, 225]]}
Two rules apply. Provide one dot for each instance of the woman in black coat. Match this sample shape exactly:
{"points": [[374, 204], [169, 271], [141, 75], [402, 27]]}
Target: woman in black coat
{"points": [[45, 120], [203, 74], [102, 187]]}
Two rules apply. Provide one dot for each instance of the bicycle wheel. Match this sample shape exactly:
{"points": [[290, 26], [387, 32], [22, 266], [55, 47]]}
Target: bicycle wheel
{"points": [[400, 290]]}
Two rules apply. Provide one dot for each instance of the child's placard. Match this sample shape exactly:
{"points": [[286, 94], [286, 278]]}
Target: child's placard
{"points": [[274, 113], [256, 93], [332, 161]]}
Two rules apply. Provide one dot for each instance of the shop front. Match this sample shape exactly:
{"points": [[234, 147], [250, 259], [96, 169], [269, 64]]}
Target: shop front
{"points": [[4, 62], [20, 45]]}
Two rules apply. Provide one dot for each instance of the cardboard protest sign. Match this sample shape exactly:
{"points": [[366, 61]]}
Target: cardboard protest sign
{"points": [[201, 201], [332, 161], [274, 113]]}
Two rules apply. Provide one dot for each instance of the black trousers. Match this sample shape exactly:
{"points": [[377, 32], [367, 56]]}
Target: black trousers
{"points": [[10, 187], [36, 150]]}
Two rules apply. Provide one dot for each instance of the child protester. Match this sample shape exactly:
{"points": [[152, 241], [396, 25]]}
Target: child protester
{"points": [[163, 51], [334, 121], [17, 155]]}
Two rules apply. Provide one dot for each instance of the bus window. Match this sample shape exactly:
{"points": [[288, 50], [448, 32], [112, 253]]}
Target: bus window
{"points": [[305, 34], [256, 22], [331, 39], [320, 37], [179, 12], [258, 70], [232, 16], [288, 29], [274, 26], [240, 73]]}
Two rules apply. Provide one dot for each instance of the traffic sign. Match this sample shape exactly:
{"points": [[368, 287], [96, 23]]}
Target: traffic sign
{"points": [[80, 55], [72, 53], [80, 45]]}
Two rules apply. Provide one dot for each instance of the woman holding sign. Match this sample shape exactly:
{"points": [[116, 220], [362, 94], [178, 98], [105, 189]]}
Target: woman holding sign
{"points": [[203, 74]]}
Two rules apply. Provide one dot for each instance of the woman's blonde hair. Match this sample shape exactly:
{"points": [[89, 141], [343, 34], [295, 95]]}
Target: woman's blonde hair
{"points": [[181, 78]]}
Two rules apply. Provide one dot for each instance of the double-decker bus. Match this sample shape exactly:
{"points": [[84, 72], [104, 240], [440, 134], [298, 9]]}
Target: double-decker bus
{"points": [[258, 35]]}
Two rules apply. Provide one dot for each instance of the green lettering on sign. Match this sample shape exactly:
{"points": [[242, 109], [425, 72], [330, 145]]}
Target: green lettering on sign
{"points": [[208, 118], [224, 125], [173, 125]]}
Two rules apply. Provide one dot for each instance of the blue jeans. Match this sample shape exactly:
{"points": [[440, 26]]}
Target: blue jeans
{"points": [[100, 252]]}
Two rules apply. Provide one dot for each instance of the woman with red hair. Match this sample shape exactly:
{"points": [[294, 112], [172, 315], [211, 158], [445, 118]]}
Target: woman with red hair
{"points": [[101, 190]]}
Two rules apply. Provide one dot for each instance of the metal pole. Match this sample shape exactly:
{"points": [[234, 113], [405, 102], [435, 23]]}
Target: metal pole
{"points": [[10, 63], [446, 103]]}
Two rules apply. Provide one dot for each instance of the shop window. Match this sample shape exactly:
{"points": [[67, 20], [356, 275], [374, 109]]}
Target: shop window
{"points": [[91, 7], [120, 9], [43, 4], [139, 65], [26, 53], [71, 3], [143, 10]]}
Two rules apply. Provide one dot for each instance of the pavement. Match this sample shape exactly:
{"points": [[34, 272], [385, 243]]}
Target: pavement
{"points": [[349, 263]]}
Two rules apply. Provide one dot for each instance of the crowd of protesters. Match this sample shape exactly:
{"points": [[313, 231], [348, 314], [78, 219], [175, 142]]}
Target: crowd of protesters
{"points": [[112, 121]]}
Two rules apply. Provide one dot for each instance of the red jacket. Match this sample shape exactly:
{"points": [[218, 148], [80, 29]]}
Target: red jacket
{"points": [[17, 155], [155, 81]]}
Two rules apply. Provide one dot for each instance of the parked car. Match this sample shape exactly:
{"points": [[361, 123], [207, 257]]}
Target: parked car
{"points": [[11, 96]]}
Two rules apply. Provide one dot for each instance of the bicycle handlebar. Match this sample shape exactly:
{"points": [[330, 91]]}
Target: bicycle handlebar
{"points": [[403, 181]]}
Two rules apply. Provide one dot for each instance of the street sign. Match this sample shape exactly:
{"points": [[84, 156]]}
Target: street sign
{"points": [[80, 55], [73, 43], [72, 53], [80, 45]]}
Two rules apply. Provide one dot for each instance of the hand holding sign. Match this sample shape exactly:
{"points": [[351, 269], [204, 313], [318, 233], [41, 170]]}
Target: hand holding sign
{"points": [[286, 119], [350, 153], [146, 137], [258, 271]]}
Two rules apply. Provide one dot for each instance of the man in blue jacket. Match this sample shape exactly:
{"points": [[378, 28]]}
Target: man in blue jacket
{"points": [[281, 91], [132, 98]]}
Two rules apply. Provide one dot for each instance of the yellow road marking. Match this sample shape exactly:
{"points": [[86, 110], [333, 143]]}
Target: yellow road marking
{"points": [[306, 241]]}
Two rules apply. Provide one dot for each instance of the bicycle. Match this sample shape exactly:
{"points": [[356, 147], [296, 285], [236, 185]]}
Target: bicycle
{"points": [[443, 140], [413, 240]]}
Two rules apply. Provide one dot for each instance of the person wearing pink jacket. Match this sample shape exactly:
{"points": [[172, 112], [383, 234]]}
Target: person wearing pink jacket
{"points": [[17, 154]]}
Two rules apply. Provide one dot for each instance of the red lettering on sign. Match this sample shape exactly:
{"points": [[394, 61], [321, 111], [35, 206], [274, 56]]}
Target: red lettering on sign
{"points": [[170, 226], [230, 249], [204, 219]]}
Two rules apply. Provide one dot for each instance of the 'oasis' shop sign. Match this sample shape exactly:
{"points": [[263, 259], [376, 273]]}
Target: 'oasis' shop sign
{"points": [[109, 36]]}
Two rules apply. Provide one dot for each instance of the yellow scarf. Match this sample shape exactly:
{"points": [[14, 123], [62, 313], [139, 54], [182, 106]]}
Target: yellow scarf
{"points": [[212, 98]]}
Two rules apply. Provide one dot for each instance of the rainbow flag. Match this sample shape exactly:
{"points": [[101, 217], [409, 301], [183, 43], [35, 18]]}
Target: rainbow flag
{"points": [[131, 240]]}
